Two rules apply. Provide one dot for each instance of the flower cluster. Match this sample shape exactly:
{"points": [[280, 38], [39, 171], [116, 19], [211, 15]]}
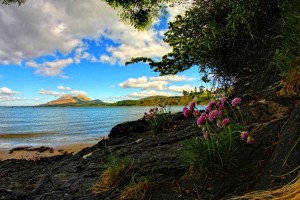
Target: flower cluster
{"points": [[158, 119], [187, 112], [215, 115], [213, 112], [246, 136], [151, 115]]}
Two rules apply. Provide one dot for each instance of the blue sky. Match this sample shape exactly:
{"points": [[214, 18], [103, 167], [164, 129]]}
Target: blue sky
{"points": [[51, 48]]}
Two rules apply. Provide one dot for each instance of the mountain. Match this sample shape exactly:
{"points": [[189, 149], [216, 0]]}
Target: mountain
{"points": [[98, 101], [69, 100]]}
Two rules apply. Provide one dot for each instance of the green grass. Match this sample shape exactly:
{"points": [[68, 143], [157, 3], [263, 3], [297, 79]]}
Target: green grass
{"points": [[159, 119], [114, 174], [215, 154], [289, 50]]}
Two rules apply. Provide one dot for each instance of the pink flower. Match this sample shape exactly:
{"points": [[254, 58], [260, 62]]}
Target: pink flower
{"points": [[218, 103], [236, 101], [244, 135], [201, 119], [221, 107], [250, 140], [223, 100], [186, 112], [192, 106], [225, 121], [220, 113], [212, 115], [196, 113], [219, 123], [184, 108], [209, 106], [205, 135]]}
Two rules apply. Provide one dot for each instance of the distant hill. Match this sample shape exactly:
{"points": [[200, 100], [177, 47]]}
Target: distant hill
{"points": [[162, 100], [83, 100], [69, 100]]}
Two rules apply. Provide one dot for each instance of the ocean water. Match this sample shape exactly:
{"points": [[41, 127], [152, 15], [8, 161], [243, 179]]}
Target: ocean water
{"points": [[54, 126]]}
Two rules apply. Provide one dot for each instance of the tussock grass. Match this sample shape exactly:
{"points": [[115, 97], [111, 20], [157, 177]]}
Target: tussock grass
{"points": [[137, 191], [114, 174], [214, 155], [290, 191]]}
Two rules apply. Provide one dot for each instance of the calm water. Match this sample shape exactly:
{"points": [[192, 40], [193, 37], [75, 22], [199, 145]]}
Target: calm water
{"points": [[23, 126]]}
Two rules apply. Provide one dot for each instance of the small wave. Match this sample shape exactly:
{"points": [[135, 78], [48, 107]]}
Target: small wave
{"points": [[24, 135], [5, 146]]}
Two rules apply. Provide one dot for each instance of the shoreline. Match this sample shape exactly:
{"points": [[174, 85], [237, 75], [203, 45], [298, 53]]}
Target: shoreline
{"points": [[52, 151]]}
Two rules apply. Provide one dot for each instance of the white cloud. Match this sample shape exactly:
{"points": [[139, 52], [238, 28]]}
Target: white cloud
{"points": [[174, 88], [158, 83], [171, 78], [10, 98], [135, 44], [67, 90], [143, 83], [77, 92], [7, 94], [81, 53], [53, 68], [39, 28], [108, 59], [64, 88], [7, 91], [51, 93]]}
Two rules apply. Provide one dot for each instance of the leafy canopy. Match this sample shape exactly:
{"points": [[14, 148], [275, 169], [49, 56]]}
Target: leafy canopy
{"points": [[231, 39], [139, 13], [7, 2]]}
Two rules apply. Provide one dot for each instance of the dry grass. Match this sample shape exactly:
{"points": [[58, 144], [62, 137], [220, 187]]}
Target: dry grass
{"points": [[137, 191], [113, 175], [290, 191], [291, 86]]}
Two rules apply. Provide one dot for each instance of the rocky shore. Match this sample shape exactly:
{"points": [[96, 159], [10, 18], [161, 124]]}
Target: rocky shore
{"points": [[267, 163]]}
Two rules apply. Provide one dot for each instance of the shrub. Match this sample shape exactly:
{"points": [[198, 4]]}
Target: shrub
{"points": [[159, 119], [220, 144], [114, 174]]}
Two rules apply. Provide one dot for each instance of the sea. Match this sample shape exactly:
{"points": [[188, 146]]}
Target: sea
{"points": [[56, 126]]}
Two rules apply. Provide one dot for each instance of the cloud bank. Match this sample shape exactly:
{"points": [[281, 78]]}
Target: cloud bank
{"points": [[157, 86], [7, 94], [43, 28], [62, 91]]}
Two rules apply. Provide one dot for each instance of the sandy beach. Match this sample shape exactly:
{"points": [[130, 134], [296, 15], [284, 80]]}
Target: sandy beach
{"points": [[34, 155]]}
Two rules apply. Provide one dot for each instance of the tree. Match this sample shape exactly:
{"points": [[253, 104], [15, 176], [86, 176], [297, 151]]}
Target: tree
{"points": [[140, 13], [6, 2], [232, 39], [201, 89]]}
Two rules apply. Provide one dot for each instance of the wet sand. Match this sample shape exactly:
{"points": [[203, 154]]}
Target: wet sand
{"points": [[34, 155]]}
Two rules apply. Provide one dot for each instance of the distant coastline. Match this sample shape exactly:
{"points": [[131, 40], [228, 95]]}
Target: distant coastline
{"points": [[84, 101]]}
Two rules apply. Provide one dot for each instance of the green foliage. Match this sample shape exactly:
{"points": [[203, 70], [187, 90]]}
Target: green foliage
{"points": [[231, 39], [220, 145], [138, 189], [7, 2], [113, 175], [159, 119], [118, 164], [139, 13], [215, 154], [288, 53]]}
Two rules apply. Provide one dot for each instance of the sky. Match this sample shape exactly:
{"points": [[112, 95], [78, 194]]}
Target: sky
{"points": [[52, 48]]}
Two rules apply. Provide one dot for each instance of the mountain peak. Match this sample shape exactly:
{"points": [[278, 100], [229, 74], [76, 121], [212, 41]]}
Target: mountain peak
{"points": [[68, 99], [83, 97]]}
